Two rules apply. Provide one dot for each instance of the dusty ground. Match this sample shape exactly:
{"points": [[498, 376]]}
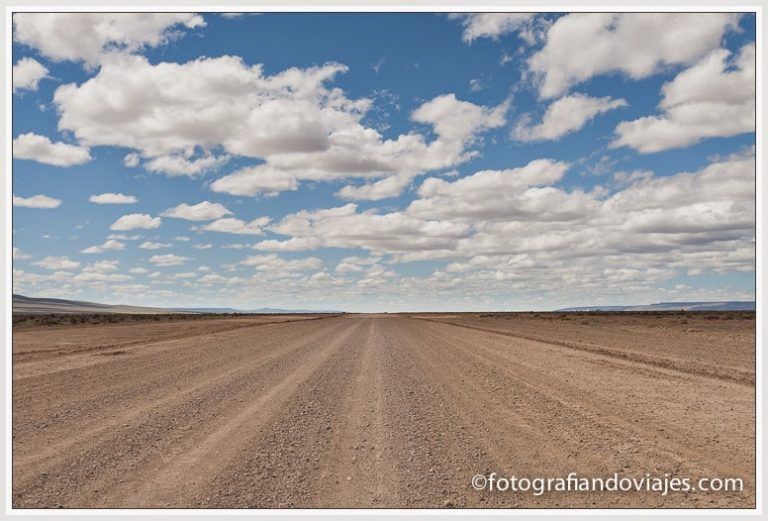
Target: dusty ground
{"points": [[380, 410]]}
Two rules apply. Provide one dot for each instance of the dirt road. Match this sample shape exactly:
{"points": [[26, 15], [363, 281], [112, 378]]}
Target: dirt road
{"points": [[365, 411]]}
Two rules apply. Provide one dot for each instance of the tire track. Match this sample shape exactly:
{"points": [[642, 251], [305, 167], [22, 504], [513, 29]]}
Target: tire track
{"points": [[163, 399], [597, 441], [102, 462], [203, 456], [687, 367]]}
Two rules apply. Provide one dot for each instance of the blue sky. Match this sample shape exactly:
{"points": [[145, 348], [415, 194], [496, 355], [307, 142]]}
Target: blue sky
{"points": [[381, 161]]}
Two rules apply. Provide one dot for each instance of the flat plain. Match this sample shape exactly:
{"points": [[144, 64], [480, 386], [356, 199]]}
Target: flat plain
{"points": [[380, 410]]}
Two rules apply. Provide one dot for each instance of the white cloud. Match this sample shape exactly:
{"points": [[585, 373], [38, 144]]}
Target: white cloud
{"points": [[503, 225], [138, 271], [136, 221], [19, 255], [232, 225], [344, 227], [292, 244], [149, 245], [565, 115], [490, 25], [36, 201], [203, 246], [167, 260], [355, 264], [103, 266], [97, 276], [89, 36], [109, 245], [124, 237], [523, 192], [275, 264], [112, 198], [57, 263], [302, 128], [131, 160], [257, 180], [41, 149], [204, 211], [582, 45], [27, 73], [384, 188], [178, 165], [207, 102], [713, 98], [457, 121]]}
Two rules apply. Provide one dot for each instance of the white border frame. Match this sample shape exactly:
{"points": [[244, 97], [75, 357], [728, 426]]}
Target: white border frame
{"points": [[445, 6]]}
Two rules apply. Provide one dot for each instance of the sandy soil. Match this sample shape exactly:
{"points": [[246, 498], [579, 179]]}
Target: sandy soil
{"points": [[379, 411]]}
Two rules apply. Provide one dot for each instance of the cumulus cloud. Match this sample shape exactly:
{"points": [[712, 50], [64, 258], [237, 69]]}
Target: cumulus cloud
{"points": [[19, 255], [713, 98], [236, 226], [456, 123], [149, 245], [88, 37], [95, 276], [258, 180], [345, 227], [168, 260], [204, 211], [36, 201], [103, 266], [523, 192], [132, 160], [355, 264], [124, 237], [275, 264], [57, 263], [205, 103], [109, 245], [292, 244], [490, 25], [501, 225], [382, 189], [136, 221], [567, 114], [582, 45], [27, 73], [302, 128], [178, 165], [112, 198], [41, 149]]}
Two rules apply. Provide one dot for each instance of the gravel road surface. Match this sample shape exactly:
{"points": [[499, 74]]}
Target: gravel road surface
{"points": [[365, 411]]}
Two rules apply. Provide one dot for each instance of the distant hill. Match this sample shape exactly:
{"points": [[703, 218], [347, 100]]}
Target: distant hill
{"points": [[732, 305], [22, 304]]}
